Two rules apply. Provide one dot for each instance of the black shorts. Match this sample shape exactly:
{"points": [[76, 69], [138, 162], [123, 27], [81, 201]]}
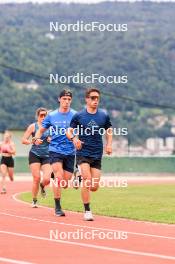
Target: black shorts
{"points": [[36, 159], [67, 160], [94, 163], [8, 161]]}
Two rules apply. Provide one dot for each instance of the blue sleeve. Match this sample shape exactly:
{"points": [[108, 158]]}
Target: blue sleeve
{"points": [[108, 123], [74, 122], [46, 122]]}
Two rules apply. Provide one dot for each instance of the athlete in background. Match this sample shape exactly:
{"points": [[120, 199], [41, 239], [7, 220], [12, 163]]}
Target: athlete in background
{"points": [[38, 156], [7, 149]]}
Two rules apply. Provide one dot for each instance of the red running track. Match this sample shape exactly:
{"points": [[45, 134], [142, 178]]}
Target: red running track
{"points": [[25, 236]]}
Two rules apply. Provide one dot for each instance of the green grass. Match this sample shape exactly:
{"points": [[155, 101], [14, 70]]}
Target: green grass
{"points": [[126, 164], [154, 203]]}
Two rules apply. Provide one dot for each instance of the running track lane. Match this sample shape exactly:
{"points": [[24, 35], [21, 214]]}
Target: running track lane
{"points": [[25, 236]]}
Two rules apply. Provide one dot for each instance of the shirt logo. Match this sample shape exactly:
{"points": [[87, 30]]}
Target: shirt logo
{"points": [[92, 123]]}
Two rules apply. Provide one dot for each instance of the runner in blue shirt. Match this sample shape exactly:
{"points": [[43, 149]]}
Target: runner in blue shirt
{"points": [[90, 124], [61, 150]]}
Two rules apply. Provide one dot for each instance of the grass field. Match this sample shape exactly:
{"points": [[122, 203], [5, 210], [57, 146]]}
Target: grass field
{"points": [[114, 165], [154, 203]]}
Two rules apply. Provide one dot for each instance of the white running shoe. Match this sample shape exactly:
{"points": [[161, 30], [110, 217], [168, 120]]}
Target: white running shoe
{"points": [[88, 216], [34, 204]]}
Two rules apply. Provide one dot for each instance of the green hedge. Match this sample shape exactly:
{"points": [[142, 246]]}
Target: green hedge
{"points": [[127, 164]]}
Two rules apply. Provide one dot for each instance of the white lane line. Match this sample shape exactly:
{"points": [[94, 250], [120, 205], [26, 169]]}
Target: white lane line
{"points": [[7, 260], [117, 250], [88, 227], [14, 196]]}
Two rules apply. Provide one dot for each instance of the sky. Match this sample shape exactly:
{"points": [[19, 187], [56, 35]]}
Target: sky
{"points": [[70, 1]]}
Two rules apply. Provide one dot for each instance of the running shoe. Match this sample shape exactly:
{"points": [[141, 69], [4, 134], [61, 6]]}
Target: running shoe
{"points": [[59, 212], [34, 204], [88, 216], [4, 191], [42, 191]]}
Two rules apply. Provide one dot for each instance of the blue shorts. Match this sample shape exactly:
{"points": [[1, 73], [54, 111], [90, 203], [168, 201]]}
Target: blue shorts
{"points": [[66, 160]]}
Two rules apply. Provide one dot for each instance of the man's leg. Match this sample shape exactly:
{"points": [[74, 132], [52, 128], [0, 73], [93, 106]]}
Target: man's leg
{"points": [[85, 190], [96, 174], [57, 168], [47, 170], [68, 167], [66, 178]]}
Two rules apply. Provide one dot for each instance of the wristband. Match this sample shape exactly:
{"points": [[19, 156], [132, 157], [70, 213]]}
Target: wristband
{"points": [[35, 139], [72, 138]]}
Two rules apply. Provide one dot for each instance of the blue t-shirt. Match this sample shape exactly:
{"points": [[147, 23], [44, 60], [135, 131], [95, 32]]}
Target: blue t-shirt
{"points": [[90, 128], [58, 122], [41, 150]]}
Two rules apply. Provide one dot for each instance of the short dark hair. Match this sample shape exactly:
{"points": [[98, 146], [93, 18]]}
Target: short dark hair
{"points": [[90, 90], [65, 92]]}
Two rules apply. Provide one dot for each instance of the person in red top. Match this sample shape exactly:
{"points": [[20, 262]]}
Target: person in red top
{"points": [[7, 149]]}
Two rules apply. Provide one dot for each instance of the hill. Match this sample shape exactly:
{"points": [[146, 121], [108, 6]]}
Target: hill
{"points": [[145, 53]]}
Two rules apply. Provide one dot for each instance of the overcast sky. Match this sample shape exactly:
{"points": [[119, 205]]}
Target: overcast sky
{"points": [[69, 1]]}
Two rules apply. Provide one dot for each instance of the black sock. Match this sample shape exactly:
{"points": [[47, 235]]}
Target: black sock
{"points": [[57, 203], [41, 185], [34, 200], [80, 178], [52, 175], [87, 207]]}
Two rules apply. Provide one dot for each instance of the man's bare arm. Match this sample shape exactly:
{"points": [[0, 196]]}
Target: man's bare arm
{"points": [[70, 135], [109, 136]]}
